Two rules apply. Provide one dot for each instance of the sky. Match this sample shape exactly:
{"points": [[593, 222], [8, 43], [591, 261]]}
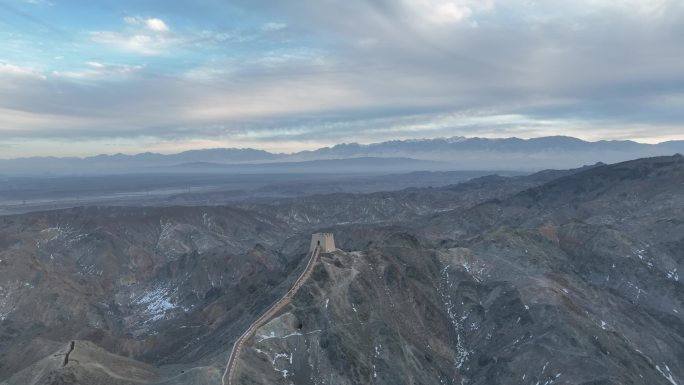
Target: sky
{"points": [[79, 78]]}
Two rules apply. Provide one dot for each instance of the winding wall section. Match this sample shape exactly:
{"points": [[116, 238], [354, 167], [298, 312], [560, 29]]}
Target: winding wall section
{"points": [[228, 375]]}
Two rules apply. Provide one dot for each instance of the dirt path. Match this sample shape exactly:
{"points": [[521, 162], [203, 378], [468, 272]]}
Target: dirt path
{"points": [[228, 375]]}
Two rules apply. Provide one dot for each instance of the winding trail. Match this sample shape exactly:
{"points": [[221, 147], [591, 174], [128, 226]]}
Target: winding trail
{"points": [[228, 375]]}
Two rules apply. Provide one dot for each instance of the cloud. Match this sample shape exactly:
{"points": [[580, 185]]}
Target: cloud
{"points": [[95, 64], [362, 70], [270, 27], [153, 24], [99, 71], [157, 25], [140, 43], [148, 37], [152, 36], [446, 11], [15, 71]]}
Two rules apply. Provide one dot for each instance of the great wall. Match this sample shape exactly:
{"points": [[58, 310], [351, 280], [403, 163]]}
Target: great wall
{"points": [[314, 252]]}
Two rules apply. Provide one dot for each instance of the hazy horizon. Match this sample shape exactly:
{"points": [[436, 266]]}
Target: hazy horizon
{"points": [[314, 148]]}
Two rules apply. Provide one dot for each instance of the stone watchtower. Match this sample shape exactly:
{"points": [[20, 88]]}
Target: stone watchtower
{"points": [[326, 241]]}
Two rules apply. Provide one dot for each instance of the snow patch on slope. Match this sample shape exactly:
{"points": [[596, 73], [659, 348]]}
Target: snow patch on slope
{"points": [[156, 302]]}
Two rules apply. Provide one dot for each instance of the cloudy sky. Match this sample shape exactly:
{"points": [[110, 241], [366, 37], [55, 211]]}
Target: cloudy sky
{"points": [[101, 76]]}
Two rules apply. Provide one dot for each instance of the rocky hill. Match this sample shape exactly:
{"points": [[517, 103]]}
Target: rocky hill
{"points": [[555, 278], [309, 213], [572, 282], [159, 286]]}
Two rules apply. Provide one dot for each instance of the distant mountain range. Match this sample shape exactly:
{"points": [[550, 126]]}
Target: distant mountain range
{"points": [[456, 153]]}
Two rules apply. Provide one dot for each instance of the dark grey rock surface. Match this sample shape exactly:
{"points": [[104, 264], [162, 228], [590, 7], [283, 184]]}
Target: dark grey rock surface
{"points": [[555, 278]]}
